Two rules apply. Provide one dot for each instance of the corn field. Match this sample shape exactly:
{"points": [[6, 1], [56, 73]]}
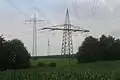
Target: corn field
{"points": [[36, 75]]}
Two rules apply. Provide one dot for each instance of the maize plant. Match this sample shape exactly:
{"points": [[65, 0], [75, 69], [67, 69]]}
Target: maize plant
{"points": [[36, 75]]}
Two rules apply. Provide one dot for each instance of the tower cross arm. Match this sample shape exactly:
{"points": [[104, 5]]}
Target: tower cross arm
{"points": [[30, 21], [39, 20], [34, 21], [79, 29], [62, 29]]}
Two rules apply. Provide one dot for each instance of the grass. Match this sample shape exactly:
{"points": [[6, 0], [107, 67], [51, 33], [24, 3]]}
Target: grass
{"points": [[64, 65], [58, 61], [107, 70]]}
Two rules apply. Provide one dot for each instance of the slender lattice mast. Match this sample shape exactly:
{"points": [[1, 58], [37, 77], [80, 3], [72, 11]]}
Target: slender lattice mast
{"points": [[34, 21], [67, 46]]}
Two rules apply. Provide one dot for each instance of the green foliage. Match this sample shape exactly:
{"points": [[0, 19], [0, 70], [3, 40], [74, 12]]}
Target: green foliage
{"points": [[52, 64], [13, 54], [88, 50], [36, 75], [104, 48], [41, 64], [108, 70], [59, 62]]}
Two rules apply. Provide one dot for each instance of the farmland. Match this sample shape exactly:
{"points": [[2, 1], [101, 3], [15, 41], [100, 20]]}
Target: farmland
{"points": [[108, 70]]}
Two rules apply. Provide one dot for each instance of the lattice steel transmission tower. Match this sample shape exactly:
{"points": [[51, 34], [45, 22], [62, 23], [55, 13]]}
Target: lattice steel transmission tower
{"points": [[34, 21], [67, 46], [48, 50], [68, 28]]}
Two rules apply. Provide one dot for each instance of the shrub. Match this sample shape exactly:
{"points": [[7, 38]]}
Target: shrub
{"points": [[41, 64], [52, 64]]}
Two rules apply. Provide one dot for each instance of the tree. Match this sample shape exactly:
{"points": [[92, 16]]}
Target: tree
{"points": [[20, 54], [105, 45], [114, 50], [3, 57], [89, 49], [13, 54], [104, 48]]}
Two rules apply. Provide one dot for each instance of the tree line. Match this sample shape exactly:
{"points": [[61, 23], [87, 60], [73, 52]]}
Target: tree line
{"points": [[13, 54], [99, 49]]}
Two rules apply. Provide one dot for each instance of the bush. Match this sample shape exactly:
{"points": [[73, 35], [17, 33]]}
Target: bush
{"points": [[41, 64], [52, 64]]}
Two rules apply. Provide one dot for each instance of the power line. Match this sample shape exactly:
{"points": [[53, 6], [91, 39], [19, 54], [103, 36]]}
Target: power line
{"points": [[75, 8], [43, 15], [48, 21], [93, 11], [17, 8], [95, 7], [40, 12]]}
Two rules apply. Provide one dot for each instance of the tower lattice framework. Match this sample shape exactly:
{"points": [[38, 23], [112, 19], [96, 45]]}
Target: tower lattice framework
{"points": [[67, 46], [68, 28]]}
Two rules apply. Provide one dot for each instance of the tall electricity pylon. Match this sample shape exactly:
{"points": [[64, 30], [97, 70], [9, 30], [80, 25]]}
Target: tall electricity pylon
{"points": [[48, 51], [34, 21], [67, 45]]}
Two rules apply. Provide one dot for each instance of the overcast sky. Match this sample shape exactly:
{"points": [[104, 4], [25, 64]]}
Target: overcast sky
{"points": [[13, 14]]}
